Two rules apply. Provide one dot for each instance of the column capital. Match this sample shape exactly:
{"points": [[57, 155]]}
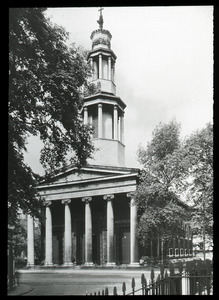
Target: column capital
{"points": [[66, 201], [86, 199], [85, 107], [100, 105], [47, 203], [116, 106], [130, 195], [108, 197]]}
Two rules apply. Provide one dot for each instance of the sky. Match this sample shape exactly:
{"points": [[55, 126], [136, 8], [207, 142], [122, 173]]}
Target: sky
{"points": [[164, 67]]}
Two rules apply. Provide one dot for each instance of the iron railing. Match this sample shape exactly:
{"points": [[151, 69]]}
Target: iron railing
{"points": [[192, 278]]}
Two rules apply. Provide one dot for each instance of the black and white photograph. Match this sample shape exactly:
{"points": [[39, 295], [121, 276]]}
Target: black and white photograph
{"points": [[110, 150]]}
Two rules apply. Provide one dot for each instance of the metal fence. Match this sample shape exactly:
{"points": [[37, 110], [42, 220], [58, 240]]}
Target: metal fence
{"points": [[190, 278]]}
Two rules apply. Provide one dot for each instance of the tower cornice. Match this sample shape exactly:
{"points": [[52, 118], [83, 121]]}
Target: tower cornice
{"points": [[104, 97], [107, 52]]}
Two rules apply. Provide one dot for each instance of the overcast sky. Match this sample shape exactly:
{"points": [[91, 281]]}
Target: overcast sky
{"points": [[164, 66]]}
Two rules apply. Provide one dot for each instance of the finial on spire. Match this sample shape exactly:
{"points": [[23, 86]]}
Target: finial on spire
{"points": [[100, 21]]}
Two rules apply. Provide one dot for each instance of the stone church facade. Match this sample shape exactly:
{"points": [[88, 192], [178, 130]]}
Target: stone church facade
{"points": [[90, 217]]}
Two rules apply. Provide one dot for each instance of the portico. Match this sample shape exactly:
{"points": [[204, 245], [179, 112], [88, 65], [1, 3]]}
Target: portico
{"points": [[92, 215]]}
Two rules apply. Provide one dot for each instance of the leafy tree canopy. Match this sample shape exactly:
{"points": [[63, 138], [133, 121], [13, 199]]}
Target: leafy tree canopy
{"points": [[161, 211], [171, 167], [46, 79], [199, 153]]}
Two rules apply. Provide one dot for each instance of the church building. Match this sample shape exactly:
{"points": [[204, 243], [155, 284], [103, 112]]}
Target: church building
{"points": [[90, 217]]}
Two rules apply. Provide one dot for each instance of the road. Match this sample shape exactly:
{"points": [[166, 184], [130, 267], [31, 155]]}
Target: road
{"points": [[81, 282]]}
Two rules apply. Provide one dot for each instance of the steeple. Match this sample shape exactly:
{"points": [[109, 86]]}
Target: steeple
{"points": [[104, 110]]}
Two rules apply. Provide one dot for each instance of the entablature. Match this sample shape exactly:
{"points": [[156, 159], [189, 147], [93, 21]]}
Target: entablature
{"points": [[104, 98]]}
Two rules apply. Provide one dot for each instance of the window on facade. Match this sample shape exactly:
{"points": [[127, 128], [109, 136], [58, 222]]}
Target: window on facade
{"points": [[170, 251], [176, 251]]}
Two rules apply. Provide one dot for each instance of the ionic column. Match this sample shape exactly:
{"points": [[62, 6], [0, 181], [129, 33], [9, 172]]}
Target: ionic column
{"points": [[88, 232], [134, 260], [100, 120], [122, 128], [30, 240], [68, 232], [110, 230], [115, 125], [109, 69], [48, 235], [100, 66], [85, 115]]}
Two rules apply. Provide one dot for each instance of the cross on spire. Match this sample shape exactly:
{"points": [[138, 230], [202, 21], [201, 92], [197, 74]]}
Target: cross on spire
{"points": [[100, 21], [100, 10]]}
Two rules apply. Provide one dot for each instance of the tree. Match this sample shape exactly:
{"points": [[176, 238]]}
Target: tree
{"points": [[46, 80], [161, 211], [198, 149]]}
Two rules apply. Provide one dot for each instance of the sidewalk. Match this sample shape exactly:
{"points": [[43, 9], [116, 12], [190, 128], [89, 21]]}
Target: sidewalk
{"points": [[20, 290]]}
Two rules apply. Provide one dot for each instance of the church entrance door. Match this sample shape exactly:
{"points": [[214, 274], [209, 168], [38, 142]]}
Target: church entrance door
{"points": [[126, 248]]}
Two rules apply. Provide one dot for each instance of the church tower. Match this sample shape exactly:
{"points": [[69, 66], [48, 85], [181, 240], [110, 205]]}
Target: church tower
{"points": [[104, 110]]}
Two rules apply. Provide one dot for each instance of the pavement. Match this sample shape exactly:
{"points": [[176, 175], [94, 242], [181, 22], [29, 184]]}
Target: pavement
{"points": [[20, 290]]}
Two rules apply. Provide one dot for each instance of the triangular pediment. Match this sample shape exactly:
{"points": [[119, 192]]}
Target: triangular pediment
{"points": [[90, 172]]}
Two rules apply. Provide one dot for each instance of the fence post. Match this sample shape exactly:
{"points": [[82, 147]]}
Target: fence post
{"points": [[133, 286], [158, 285], [192, 278], [166, 284], [172, 281], [152, 281], [123, 288], [146, 289], [115, 291], [106, 291], [208, 273], [179, 281], [143, 283], [162, 279]]}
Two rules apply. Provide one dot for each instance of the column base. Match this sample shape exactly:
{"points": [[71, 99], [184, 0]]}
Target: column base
{"points": [[66, 264], [89, 264], [110, 264], [30, 265], [47, 264], [134, 264]]}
